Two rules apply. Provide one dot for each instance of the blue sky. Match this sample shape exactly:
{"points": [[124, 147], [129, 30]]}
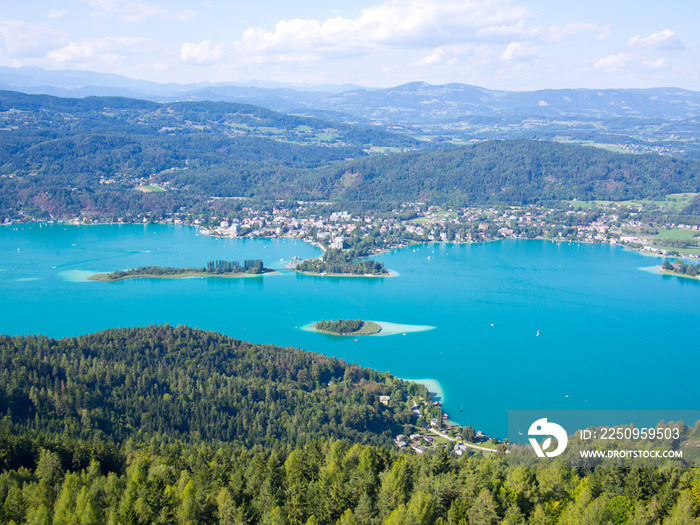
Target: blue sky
{"points": [[498, 44]]}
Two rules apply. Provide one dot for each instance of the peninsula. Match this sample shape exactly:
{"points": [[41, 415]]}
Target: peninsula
{"points": [[348, 327], [218, 268], [681, 269]]}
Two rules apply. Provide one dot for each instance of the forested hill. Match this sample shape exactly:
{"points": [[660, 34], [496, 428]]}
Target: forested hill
{"points": [[65, 157], [514, 172], [175, 425], [24, 113], [62, 158], [190, 385]]}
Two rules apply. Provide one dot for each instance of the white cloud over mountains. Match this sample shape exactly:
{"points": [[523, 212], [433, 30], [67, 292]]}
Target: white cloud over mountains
{"points": [[495, 43], [413, 23], [444, 33], [19, 39]]}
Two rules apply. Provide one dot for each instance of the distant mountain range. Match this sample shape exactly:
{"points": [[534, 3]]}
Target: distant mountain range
{"points": [[660, 120], [416, 102]]}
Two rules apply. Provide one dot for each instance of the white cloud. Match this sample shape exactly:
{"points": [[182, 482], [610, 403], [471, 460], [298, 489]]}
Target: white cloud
{"points": [[559, 33], [521, 31], [19, 39], [202, 53], [432, 58], [410, 23], [521, 52], [665, 40], [507, 32], [102, 49], [56, 13], [139, 11], [613, 63], [657, 64]]}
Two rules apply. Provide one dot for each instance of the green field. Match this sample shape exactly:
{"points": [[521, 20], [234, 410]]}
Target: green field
{"points": [[610, 147], [671, 201], [151, 188], [676, 234], [682, 251]]}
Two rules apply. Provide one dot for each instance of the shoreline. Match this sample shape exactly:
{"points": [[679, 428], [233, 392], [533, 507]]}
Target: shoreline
{"points": [[661, 271], [380, 252], [390, 273], [434, 388]]}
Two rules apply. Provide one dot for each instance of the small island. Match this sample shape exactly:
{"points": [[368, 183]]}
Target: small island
{"points": [[681, 269], [348, 327], [339, 262], [218, 268]]}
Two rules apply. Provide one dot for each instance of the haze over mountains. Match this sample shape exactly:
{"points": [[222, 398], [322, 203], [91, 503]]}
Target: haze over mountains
{"points": [[660, 120], [416, 102]]}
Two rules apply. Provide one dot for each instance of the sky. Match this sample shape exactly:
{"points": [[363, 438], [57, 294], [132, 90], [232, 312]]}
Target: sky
{"points": [[498, 44]]}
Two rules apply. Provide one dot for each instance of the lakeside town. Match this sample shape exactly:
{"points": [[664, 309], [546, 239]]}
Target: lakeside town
{"points": [[638, 226], [643, 226]]}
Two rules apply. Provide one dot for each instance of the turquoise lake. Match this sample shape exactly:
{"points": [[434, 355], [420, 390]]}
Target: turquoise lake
{"points": [[611, 335]]}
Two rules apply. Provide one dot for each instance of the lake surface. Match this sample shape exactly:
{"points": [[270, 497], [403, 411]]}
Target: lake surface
{"points": [[611, 335]]}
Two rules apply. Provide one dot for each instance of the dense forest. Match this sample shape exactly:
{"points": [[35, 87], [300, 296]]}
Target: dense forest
{"points": [[97, 157], [175, 425], [336, 261], [516, 172], [186, 384]]}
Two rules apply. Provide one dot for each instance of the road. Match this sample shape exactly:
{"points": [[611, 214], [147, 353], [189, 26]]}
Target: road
{"points": [[477, 447]]}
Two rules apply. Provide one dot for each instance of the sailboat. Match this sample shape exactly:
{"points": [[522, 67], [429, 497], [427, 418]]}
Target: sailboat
{"points": [[461, 407], [538, 333]]}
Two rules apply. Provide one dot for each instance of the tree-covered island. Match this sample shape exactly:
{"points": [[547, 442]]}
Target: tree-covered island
{"points": [[339, 262], [218, 268], [681, 268], [348, 327]]}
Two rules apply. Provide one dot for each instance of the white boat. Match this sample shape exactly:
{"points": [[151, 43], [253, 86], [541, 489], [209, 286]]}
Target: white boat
{"points": [[538, 333]]}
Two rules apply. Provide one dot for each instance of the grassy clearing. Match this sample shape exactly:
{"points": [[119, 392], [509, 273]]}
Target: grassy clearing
{"points": [[436, 217], [682, 251], [151, 188], [384, 149], [600, 145], [676, 234], [347, 179], [671, 201]]}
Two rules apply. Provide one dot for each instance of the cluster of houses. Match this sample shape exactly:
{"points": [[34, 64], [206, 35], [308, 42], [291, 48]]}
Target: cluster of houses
{"points": [[414, 442], [433, 223]]}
